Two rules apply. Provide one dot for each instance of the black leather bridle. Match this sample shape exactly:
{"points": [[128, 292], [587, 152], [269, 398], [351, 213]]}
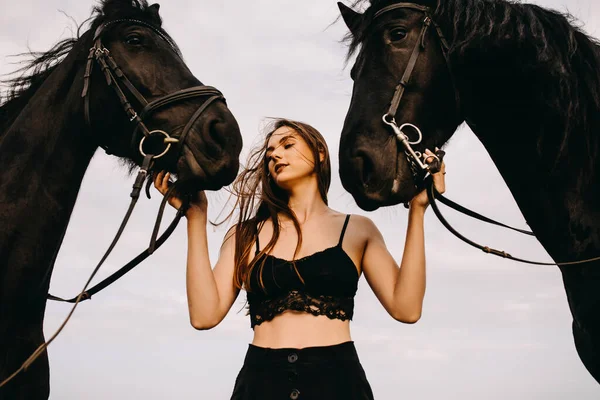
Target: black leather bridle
{"points": [[420, 168], [115, 78]]}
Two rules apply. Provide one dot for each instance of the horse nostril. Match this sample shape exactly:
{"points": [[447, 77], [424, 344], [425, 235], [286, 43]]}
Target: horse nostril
{"points": [[216, 134], [364, 167]]}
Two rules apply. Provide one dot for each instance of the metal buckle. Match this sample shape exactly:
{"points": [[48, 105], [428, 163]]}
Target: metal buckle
{"points": [[101, 52]]}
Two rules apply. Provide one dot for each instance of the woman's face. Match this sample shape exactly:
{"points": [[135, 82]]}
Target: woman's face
{"points": [[288, 157]]}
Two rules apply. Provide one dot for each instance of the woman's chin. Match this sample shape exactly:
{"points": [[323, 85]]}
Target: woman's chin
{"points": [[282, 182], [285, 180], [288, 182]]}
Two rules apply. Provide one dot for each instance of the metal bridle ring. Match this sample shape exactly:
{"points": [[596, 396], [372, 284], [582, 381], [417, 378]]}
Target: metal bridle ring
{"points": [[398, 130], [168, 140], [392, 120], [416, 129], [392, 124], [435, 157]]}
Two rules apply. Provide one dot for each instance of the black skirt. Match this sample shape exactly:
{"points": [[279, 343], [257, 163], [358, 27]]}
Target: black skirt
{"points": [[313, 373]]}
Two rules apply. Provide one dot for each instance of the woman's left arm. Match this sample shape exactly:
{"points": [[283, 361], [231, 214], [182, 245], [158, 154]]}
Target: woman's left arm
{"points": [[401, 289]]}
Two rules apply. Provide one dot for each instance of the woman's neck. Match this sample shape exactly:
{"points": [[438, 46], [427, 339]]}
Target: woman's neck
{"points": [[306, 202]]}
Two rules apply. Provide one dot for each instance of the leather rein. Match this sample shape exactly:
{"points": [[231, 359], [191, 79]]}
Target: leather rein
{"points": [[421, 169]]}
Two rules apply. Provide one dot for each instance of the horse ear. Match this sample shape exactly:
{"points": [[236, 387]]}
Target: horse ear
{"points": [[153, 10], [351, 17]]}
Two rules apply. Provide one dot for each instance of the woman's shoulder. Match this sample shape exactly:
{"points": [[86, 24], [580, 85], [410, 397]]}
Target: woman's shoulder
{"points": [[363, 223], [358, 222]]}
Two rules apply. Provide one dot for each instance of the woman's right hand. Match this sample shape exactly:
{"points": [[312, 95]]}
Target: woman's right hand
{"points": [[198, 205]]}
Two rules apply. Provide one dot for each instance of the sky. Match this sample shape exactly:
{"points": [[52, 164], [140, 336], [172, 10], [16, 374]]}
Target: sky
{"points": [[491, 328]]}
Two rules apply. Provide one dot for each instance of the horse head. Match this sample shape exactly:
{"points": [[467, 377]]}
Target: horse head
{"points": [[139, 92], [400, 73]]}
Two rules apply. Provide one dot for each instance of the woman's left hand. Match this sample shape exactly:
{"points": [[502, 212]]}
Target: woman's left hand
{"points": [[439, 180]]}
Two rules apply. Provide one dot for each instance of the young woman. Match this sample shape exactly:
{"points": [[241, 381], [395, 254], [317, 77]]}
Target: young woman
{"points": [[299, 262]]}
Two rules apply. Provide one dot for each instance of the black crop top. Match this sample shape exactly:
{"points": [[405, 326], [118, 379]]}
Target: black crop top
{"points": [[330, 283]]}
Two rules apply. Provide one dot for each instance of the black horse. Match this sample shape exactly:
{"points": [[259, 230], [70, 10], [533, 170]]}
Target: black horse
{"points": [[525, 80], [50, 127]]}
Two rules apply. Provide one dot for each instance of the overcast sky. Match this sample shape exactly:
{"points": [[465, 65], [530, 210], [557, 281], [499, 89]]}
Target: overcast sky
{"points": [[491, 328]]}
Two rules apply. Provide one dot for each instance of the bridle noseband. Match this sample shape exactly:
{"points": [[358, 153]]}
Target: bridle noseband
{"points": [[418, 168], [115, 78]]}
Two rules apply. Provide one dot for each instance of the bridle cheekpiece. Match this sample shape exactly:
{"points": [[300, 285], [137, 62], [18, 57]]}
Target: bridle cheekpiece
{"points": [[418, 167]]}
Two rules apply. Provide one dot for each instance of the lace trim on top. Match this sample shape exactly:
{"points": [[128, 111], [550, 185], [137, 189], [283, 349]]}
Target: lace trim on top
{"points": [[341, 308]]}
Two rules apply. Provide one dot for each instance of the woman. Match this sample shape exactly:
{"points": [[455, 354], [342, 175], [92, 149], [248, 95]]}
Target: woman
{"points": [[300, 262]]}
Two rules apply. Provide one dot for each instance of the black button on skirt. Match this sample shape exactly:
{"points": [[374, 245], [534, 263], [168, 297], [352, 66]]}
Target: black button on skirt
{"points": [[312, 373]]}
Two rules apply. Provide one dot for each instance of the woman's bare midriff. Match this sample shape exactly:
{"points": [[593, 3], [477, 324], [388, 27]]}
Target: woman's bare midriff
{"points": [[298, 330]]}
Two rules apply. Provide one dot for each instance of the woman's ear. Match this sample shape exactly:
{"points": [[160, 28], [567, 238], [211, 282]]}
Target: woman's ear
{"points": [[321, 153]]}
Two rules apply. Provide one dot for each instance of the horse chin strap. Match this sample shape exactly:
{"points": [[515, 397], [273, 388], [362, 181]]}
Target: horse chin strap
{"points": [[418, 168]]}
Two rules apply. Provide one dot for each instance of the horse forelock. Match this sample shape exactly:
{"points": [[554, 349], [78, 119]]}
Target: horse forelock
{"points": [[138, 9]]}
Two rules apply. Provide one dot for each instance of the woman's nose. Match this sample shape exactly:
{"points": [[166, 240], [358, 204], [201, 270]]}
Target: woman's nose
{"points": [[275, 154]]}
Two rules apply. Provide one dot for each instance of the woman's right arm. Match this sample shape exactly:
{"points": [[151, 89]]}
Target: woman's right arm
{"points": [[210, 292]]}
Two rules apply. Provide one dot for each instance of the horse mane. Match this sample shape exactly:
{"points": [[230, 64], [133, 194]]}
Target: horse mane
{"points": [[551, 42], [40, 65]]}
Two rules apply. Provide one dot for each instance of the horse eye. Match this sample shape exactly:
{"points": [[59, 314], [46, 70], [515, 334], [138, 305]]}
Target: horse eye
{"points": [[133, 40], [397, 34]]}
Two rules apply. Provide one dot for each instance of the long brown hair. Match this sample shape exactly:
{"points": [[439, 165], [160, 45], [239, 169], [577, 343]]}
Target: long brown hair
{"points": [[260, 199]]}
